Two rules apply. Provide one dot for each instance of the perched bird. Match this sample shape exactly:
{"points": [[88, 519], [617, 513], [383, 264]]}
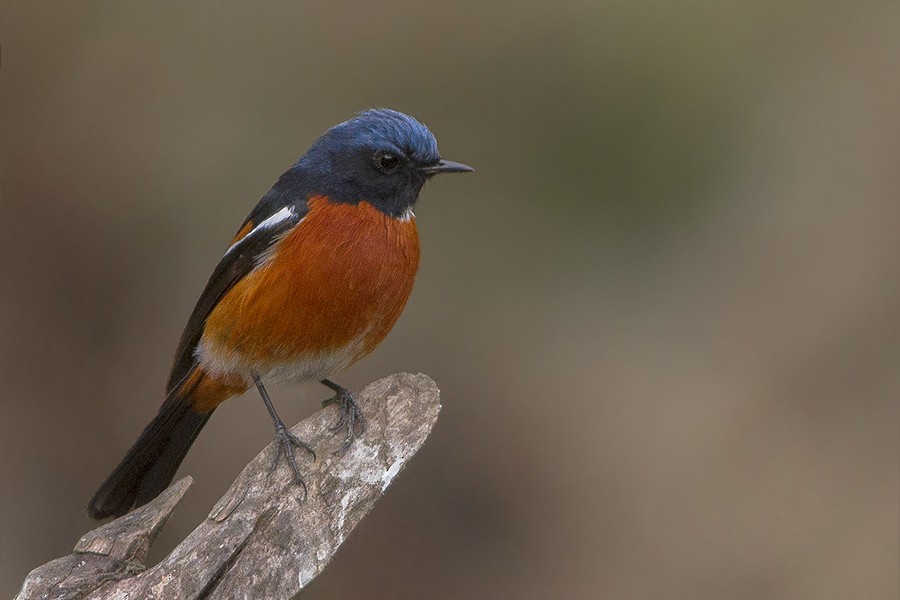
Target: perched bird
{"points": [[312, 282]]}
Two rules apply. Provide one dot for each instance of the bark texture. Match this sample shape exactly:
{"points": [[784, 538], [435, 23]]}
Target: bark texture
{"points": [[262, 539]]}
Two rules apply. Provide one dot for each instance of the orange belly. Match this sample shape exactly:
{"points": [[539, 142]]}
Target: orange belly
{"points": [[329, 293]]}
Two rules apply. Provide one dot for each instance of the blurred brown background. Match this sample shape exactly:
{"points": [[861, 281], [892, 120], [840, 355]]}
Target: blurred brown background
{"points": [[664, 314]]}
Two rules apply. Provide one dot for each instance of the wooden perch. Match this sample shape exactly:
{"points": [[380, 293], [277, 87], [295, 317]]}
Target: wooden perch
{"points": [[262, 539]]}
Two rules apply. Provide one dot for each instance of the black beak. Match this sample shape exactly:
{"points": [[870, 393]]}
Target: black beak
{"points": [[446, 166]]}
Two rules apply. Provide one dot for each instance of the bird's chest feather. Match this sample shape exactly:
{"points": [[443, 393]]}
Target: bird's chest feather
{"points": [[330, 290]]}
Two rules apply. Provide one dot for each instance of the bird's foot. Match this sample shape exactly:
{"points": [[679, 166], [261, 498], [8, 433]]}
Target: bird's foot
{"points": [[350, 418], [285, 442]]}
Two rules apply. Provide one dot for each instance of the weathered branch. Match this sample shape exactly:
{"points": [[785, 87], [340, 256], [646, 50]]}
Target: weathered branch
{"points": [[262, 539]]}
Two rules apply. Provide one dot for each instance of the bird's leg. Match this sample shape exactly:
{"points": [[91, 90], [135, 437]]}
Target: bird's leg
{"points": [[285, 440], [351, 417]]}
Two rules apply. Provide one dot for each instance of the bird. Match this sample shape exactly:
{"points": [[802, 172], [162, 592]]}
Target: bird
{"points": [[313, 280]]}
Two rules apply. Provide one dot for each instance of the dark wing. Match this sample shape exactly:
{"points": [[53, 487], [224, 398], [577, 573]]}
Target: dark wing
{"points": [[238, 261]]}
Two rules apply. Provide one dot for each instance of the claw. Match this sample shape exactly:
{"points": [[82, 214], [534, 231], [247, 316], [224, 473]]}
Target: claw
{"points": [[350, 417], [285, 441], [285, 444]]}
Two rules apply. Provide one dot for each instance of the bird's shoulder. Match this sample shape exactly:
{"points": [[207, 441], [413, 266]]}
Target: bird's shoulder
{"points": [[276, 214]]}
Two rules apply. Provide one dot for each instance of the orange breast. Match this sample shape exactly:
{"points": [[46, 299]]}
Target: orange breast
{"points": [[336, 283]]}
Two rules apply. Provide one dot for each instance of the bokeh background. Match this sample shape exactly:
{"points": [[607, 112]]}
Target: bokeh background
{"points": [[664, 314]]}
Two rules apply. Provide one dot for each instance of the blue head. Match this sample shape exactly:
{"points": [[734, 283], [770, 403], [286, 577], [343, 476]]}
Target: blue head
{"points": [[381, 156]]}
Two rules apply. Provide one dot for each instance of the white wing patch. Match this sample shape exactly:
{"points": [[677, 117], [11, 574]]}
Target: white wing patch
{"points": [[285, 213]]}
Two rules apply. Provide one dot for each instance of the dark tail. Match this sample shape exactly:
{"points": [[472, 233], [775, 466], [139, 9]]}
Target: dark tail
{"points": [[152, 461]]}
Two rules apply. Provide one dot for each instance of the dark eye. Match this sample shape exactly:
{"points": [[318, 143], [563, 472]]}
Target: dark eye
{"points": [[387, 162]]}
